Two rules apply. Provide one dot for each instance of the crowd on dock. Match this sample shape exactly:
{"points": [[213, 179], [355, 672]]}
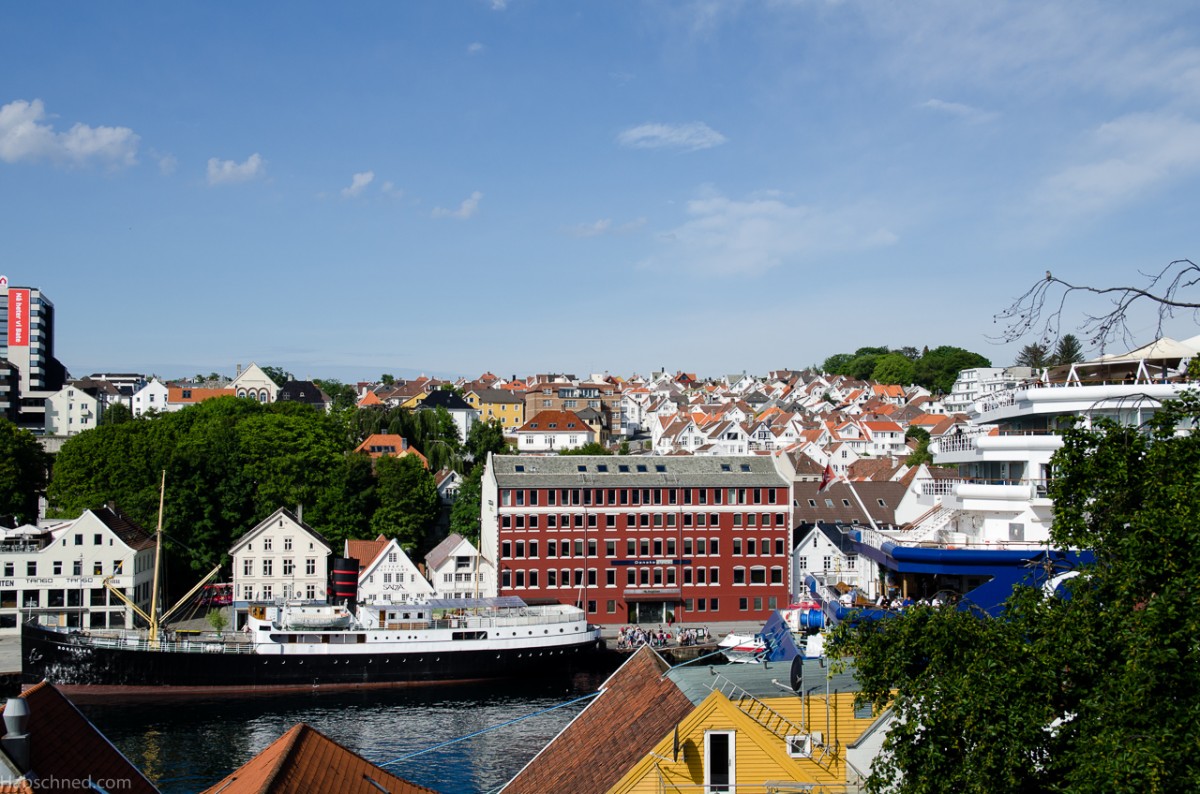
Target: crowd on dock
{"points": [[632, 637]]}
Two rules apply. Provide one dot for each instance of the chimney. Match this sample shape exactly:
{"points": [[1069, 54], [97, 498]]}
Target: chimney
{"points": [[16, 732]]}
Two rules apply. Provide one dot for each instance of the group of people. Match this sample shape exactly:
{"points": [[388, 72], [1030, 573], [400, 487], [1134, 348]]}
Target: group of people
{"points": [[632, 637]]}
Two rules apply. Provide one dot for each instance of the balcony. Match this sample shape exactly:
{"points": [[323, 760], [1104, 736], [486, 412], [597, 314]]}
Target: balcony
{"points": [[963, 488]]}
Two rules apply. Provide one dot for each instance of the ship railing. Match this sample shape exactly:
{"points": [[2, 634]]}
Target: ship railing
{"points": [[184, 645], [511, 619]]}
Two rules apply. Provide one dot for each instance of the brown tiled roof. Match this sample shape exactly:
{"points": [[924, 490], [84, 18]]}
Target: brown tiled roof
{"points": [[130, 533], [304, 760], [66, 750], [637, 708]]}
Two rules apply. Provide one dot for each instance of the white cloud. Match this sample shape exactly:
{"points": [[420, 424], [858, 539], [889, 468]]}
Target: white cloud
{"points": [[465, 210], [166, 162], [499, 5], [475, 48], [358, 184], [604, 226], [691, 136], [965, 112], [1128, 157], [729, 237], [389, 188], [221, 172], [25, 137]]}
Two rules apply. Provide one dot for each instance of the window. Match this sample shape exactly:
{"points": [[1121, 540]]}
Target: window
{"points": [[737, 547], [310, 567], [266, 544], [758, 575], [97, 540], [289, 567], [57, 568], [266, 568], [739, 575], [31, 568], [610, 577], [287, 544], [266, 591], [76, 568]]}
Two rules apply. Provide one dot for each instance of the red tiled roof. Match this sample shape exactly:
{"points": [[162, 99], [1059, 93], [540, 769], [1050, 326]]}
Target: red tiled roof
{"points": [[304, 760], [637, 708], [66, 750]]}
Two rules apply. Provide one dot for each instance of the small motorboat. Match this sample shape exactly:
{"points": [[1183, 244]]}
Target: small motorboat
{"points": [[743, 648]]}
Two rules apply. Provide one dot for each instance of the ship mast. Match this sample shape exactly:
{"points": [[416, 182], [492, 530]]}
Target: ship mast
{"points": [[157, 557]]}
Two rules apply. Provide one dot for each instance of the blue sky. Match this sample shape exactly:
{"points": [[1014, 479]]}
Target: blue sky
{"points": [[344, 190]]}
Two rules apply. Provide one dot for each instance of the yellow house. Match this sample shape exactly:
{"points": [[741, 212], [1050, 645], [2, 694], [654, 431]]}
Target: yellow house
{"points": [[735, 741], [504, 405]]}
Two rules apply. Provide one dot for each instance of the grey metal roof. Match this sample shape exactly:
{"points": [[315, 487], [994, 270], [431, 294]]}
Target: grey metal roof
{"points": [[771, 679], [617, 471]]}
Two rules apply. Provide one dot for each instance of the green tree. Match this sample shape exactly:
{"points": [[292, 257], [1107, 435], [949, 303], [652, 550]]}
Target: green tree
{"points": [[1034, 354], [937, 369], [344, 507], [921, 454], [835, 364], [343, 395], [1067, 351], [23, 466], [894, 368], [408, 501], [465, 512], [485, 437], [1098, 691], [386, 379], [116, 414]]}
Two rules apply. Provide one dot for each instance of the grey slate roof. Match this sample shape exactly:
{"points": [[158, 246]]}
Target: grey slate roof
{"points": [[628, 471], [696, 681], [444, 398]]}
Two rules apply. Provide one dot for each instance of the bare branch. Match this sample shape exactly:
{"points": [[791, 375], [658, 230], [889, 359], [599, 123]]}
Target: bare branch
{"points": [[1040, 309]]}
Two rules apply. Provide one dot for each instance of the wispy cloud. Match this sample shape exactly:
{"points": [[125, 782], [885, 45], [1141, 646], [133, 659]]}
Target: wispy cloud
{"points": [[358, 184], [724, 236], [604, 226], [499, 5], [1126, 158], [166, 162], [465, 210], [967, 113], [225, 172], [691, 136], [475, 48], [25, 136]]}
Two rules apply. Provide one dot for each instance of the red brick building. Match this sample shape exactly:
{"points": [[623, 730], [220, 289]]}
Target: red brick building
{"points": [[640, 539]]}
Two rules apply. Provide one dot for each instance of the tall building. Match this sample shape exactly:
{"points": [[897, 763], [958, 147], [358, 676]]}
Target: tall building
{"points": [[27, 342]]}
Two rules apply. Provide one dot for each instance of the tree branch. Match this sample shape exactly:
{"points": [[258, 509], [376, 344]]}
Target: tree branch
{"points": [[1039, 310]]}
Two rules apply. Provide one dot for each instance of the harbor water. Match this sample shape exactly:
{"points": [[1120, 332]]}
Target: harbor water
{"points": [[188, 745]]}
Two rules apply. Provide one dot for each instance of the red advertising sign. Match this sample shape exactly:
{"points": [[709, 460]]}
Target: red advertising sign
{"points": [[18, 318]]}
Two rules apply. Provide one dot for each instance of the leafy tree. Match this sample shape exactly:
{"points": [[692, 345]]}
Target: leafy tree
{"points": [[938, 368], [344, 508], [623, 448], [386, 379], [894, 368], [408, 501], [343, 395], [1034, 354], [835, 364], [1067, 351], [485, 437], [23, 466], [217, 619], [116, 414], [861, 367], [465, 512], [590, 448], [1097, 691]]}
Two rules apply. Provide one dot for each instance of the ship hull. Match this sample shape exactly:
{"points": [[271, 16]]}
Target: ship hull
{"points": [[74, 664]]}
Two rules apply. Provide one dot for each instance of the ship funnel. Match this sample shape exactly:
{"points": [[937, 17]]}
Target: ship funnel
{"points": [[16, 732]]}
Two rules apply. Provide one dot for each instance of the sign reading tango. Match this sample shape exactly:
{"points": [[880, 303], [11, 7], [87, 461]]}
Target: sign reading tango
{"points": [[18, 318]]}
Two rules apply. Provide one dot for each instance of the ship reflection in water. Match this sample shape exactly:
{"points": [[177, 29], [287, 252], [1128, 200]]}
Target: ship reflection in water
{"points": [[188, 745]]}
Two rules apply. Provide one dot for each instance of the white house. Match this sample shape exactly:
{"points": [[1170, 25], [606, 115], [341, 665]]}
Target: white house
{"points": [[57, 574], [282, 557], [252, 382], [78, 406], [456, 569], [151, 397], [553, 431], [386, 574], [827, 554]]}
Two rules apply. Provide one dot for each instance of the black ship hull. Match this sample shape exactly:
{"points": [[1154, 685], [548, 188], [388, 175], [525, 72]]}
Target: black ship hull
{"points": [[75, 664]]}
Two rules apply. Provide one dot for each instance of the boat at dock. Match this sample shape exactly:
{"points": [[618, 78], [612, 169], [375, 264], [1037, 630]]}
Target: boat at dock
{"points": [[440, 641]]}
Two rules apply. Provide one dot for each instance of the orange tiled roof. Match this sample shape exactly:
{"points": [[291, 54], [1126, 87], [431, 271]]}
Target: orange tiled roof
{"points": [[304, 760], [175, 394], [370, 398], [365, 551]]}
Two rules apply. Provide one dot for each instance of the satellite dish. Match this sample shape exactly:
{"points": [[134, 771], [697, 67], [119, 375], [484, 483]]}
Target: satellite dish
{"points": [[796, 678]]}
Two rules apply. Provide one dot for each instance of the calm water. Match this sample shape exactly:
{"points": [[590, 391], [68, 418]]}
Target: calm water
{"points": [[187, 745]]}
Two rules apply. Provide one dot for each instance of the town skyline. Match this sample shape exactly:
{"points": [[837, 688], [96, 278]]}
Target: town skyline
{"points": [[519, 186]]}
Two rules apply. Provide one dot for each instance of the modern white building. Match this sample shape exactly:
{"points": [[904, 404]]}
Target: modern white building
{"points": [[57, 574], [280, 558]]}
